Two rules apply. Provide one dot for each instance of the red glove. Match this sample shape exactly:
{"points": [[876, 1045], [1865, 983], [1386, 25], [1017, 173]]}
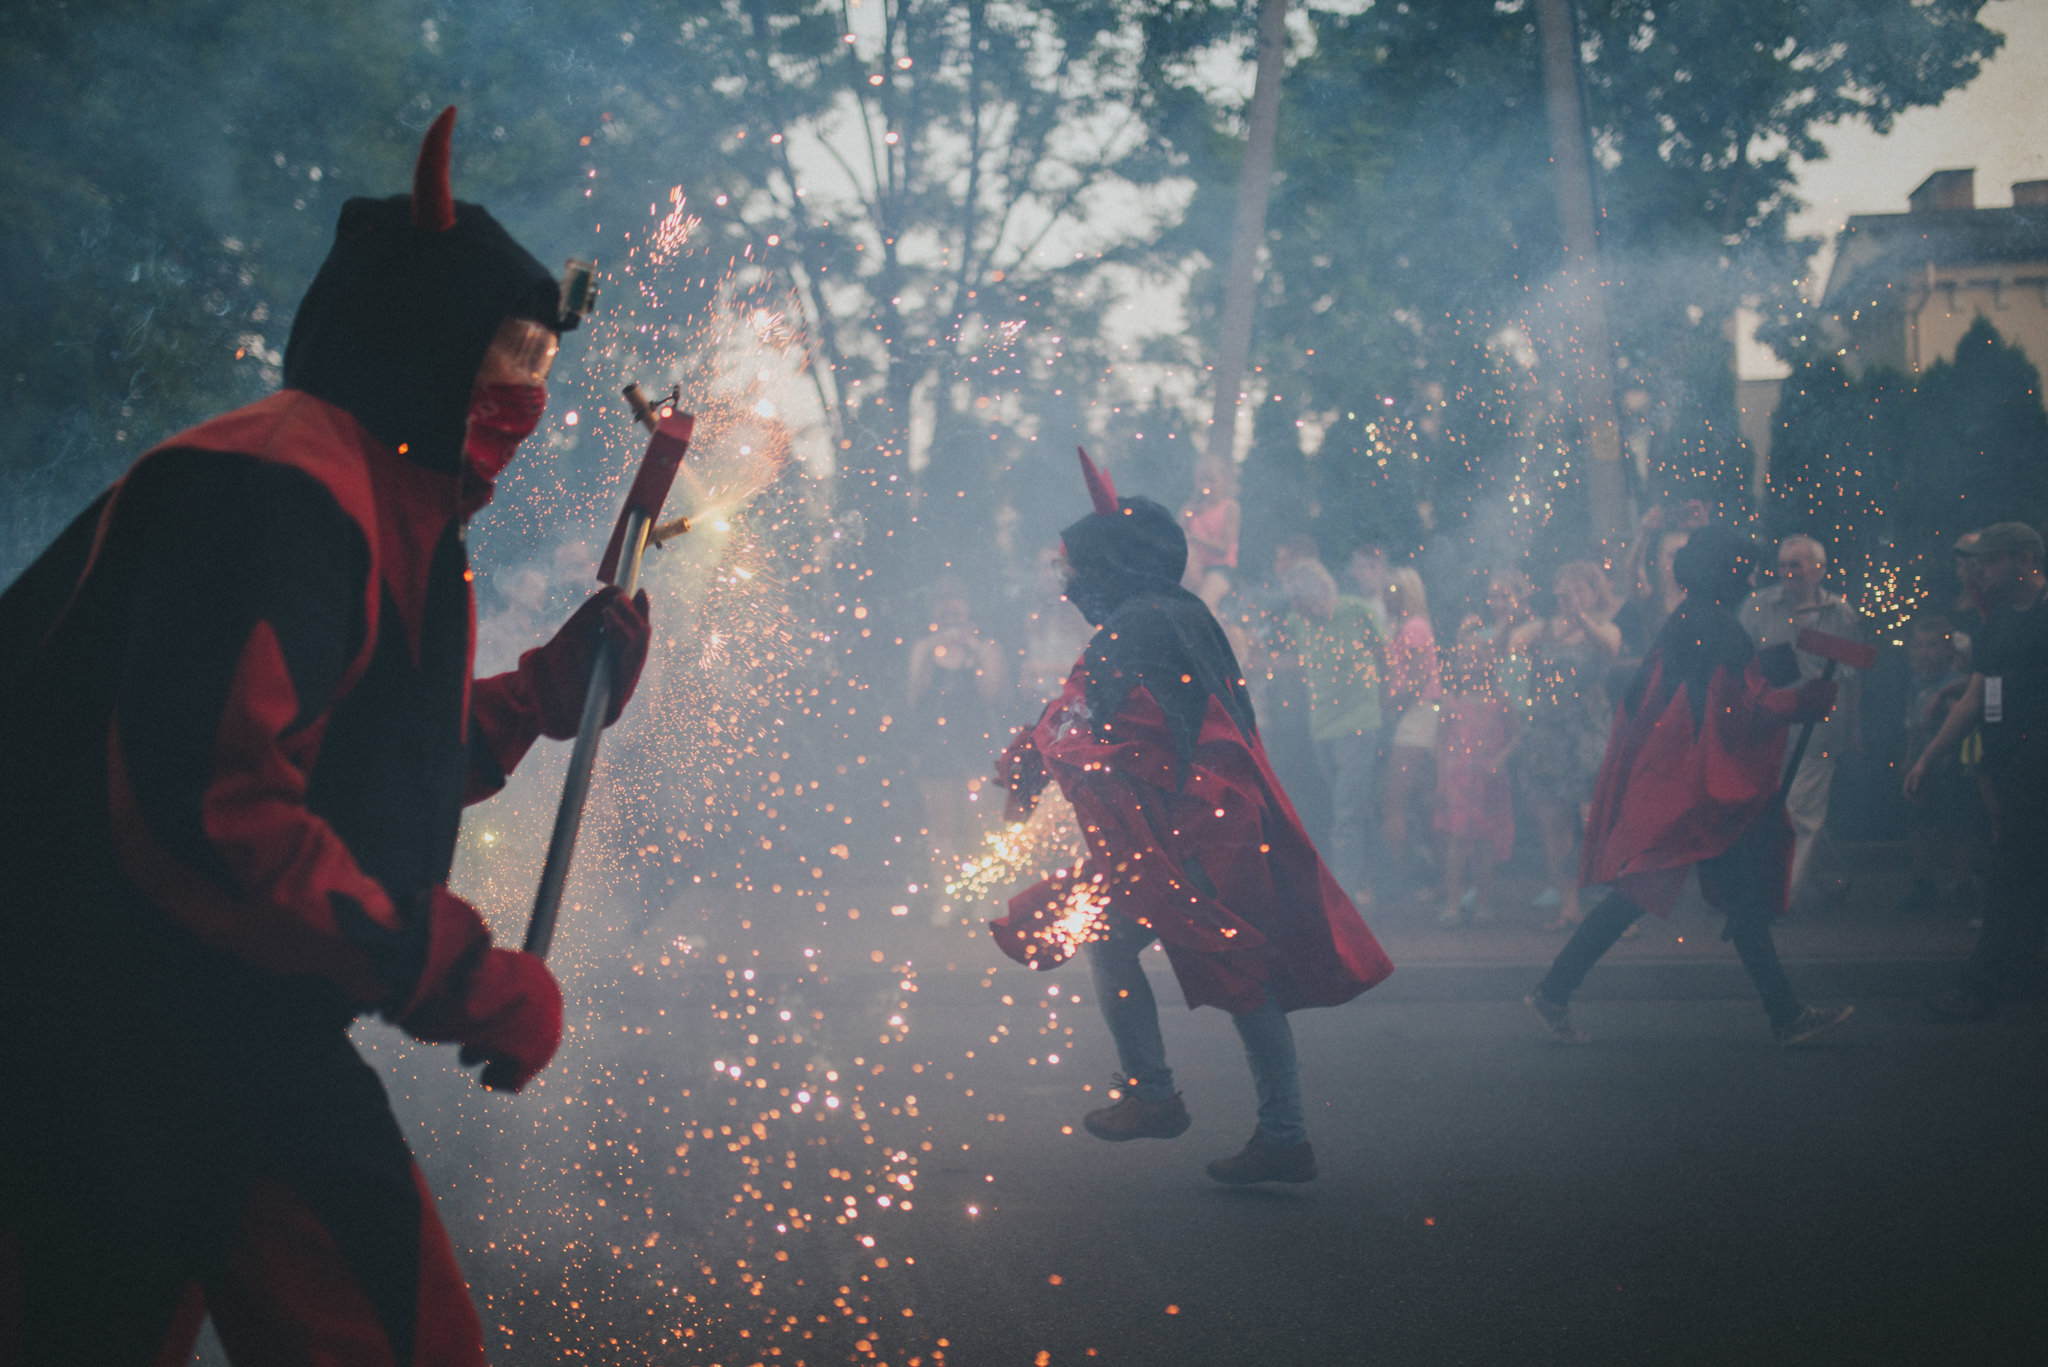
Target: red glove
{"points": [[560, 670], [1814, 699], [503, 1007]]}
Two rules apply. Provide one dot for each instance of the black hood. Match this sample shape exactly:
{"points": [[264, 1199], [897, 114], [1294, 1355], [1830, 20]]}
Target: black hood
{"points": [[1700, 638], [1141, 549], [1153, 633], [399, 317], [1702, 635], [1716, 564]]}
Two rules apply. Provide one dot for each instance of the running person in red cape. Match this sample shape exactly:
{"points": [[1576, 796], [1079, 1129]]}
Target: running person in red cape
{"points": [[236, 702], [1190, 842], [1691, 779]]}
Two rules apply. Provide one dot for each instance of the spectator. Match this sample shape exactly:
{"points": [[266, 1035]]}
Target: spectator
{"points": [[1647, 571], [1567, 653], [1296, 546], [1282, 693], [1947, 813], [1775, 616], [2008, 695], [1340, 657], [1211, 520], [1370, 571], [956, 688], [1414, 685], [1658, 595], [1474, 807]]}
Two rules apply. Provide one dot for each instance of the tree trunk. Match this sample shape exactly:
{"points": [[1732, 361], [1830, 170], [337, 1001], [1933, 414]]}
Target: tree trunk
{"points": [[1248, 229], [1591, 351]]}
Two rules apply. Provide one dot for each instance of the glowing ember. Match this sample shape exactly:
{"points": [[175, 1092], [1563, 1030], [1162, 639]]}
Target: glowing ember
{"points": [[1021, 851]]}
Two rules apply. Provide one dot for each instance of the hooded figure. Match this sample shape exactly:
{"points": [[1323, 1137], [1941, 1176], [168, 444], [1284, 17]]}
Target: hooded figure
{"points": [[241, 683], [1190, 840], [1691, 780]]}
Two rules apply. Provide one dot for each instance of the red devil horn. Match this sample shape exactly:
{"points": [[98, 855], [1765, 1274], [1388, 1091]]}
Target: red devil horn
{"points": [[433, 203], [1100, 491]]}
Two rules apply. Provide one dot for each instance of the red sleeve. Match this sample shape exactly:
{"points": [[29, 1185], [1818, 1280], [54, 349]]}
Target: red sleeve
{"points": [[504, 722], [249, 610]]}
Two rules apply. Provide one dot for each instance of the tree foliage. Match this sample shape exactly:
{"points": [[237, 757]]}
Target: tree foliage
{"points": [[902, 172], [1414, 238], [1887, 471]]}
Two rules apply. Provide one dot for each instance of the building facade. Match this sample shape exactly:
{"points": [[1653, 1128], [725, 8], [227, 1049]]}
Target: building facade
{"points": [[1905, 287]]}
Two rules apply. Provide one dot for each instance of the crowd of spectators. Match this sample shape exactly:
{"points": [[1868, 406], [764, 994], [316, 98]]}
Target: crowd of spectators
{"points": [[1418, 740]]}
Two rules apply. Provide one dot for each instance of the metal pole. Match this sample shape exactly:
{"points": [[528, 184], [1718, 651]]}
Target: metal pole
{"points": [[554, 874]]}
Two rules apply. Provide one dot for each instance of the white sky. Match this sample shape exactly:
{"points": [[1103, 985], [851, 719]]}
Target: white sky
{"points": [[1997, 124]]}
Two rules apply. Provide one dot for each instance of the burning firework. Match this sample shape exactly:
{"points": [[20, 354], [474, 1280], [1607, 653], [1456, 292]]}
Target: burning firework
{"points": [[1031, 849]]}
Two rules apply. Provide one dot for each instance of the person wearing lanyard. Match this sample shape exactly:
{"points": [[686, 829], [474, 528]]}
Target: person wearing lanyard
{"points": [[2007, 699]]}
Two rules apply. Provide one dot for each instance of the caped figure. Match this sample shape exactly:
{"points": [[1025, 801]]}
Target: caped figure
{"points": [[1691, 780], [241, 727], [1191, 842]]}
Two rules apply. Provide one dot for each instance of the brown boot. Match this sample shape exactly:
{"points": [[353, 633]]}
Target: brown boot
{"points": [[1259, 1161], [1131, 1118]]}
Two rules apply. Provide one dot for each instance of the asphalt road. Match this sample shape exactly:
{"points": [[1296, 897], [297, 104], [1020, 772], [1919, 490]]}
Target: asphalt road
{"points": [[1681, 1190]]}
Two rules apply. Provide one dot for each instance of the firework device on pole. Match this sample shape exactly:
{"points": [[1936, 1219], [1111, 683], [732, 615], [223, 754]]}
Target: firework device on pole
{"points": [[1836, 650], [621, 566]]}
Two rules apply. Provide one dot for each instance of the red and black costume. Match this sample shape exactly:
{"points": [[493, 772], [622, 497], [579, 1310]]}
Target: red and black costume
{"points": [[1691, 780], [237, 705], [1189, 833], [1190, 838]]}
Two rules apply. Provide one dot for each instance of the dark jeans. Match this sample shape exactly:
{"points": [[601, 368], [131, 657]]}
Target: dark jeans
{"points": [[2005, 965], [1750, 931], [1132, 1014]]}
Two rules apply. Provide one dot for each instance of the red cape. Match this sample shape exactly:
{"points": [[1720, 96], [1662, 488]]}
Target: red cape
{"points": [[1218, 866], [1674, 792]]}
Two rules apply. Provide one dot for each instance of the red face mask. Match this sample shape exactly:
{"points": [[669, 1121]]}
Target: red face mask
{"points": [[500, 417]]}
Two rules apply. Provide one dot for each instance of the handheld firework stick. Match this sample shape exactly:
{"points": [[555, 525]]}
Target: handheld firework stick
{"points": [[621, 566], [1836, 650]]}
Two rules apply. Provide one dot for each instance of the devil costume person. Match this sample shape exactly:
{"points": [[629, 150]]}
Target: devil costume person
{"points": [[237, 708], [1191, 841], [1691, 780]]}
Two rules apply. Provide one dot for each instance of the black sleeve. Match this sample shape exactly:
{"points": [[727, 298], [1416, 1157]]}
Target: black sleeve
{"points": [[248, 605]]}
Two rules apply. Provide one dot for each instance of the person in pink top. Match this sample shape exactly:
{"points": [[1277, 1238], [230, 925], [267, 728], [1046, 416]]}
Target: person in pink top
{"points": [[1211, 520], [1474, 804], [1414, 684], [1568, 718]]}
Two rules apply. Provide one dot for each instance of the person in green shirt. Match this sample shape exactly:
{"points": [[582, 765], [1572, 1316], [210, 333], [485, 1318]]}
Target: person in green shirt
{"points": [[1341, 655]]}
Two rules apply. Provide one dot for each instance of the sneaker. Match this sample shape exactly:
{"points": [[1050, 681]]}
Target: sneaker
{"points": [[1556, 1018], [1259, 1161], [1958, 1006], [1131, 1118], [1810, 1022]]}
